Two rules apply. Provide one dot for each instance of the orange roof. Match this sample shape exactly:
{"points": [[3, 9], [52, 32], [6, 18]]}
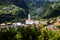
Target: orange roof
{"points": [[57, 23]]}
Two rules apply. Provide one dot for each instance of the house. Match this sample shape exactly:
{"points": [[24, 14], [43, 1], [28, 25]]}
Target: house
{"points": [[58, 22], [9, 23], [16, 24], [3, 24]]}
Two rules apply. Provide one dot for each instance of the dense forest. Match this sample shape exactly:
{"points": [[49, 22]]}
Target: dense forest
{"points": [[17, 10], [10, 12]]}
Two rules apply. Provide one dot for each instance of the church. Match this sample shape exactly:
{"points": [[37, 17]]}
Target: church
{"points": [[31, 21]]}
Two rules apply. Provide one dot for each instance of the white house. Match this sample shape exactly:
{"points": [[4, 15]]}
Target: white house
{"points": [[16, 24], [3, 24]]}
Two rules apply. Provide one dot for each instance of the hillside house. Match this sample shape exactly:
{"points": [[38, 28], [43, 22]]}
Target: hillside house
{"points": [[58, 22], [16, 24]]}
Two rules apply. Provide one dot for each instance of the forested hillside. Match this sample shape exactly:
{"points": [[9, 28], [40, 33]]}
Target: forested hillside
{"points": [[13, 10], [51, 10], [34, 7], [10, 12]]}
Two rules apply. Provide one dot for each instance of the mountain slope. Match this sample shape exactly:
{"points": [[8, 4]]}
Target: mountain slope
{"points": [[17, 10], [10, 12], [52, 10]]}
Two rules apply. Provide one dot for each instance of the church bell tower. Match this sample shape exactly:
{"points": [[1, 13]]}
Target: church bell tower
{"points": [[29, 16]]}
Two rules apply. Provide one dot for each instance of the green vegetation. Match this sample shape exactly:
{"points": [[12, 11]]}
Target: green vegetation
{"points": [[11, 13], [29, 33], [51, 10]]}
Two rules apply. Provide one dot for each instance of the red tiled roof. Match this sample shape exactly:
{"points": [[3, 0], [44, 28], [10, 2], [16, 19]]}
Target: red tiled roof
{"points": [[57, 23]]}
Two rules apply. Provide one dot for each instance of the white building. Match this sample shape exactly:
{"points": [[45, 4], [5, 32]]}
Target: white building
{"points": [[16, 24], [3, 24], [29, 21]]}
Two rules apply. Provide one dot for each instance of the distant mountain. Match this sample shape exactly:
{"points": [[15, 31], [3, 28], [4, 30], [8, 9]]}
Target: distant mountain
{"points": [[5, 2], [37, 8], [34, 7], [51, 10], [30, 3]]}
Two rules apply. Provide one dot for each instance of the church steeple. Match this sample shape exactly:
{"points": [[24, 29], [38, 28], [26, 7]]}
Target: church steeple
{"points": [[29, 16]]}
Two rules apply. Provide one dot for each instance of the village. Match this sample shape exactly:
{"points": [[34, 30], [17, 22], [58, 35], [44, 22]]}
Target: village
{"points": [[29, 22], [16, 24]]}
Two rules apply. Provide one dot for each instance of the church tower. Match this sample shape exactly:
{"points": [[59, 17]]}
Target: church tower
{"points": [[29, 16]]}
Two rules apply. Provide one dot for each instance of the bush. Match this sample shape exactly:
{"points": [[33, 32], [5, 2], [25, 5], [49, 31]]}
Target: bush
{"points": [[58, 26], [29, 33]]}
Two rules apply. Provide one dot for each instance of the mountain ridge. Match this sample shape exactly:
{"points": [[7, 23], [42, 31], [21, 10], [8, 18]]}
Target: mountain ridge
{"points": [[37, 8]]}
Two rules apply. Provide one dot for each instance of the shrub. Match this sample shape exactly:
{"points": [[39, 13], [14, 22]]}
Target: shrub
{"points": [[29, 33], [58, 26]]}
